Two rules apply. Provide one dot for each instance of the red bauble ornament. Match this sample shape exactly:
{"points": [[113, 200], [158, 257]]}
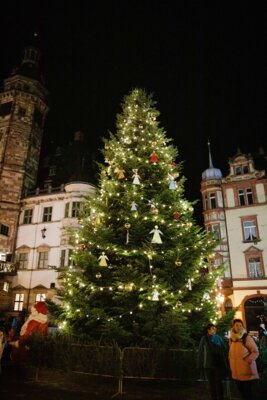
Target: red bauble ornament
{"points": [[176, 215], [154, 158]]}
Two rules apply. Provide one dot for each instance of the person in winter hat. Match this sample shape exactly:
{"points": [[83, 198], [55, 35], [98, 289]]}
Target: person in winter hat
{"points": [[242, 355], [36, 323]]}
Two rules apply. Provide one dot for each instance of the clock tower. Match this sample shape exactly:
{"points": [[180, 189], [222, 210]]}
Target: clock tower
{"points": [[23, 109]]}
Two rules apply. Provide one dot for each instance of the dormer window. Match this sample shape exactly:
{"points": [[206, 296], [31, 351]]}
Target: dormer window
{"points": [[238, 170], [241, 169]]}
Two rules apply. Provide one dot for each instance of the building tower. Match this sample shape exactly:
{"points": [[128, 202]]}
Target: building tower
{"points": [[22, 114], [215, 221]]}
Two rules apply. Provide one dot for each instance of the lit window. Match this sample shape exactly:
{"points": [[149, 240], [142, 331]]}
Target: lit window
{"points": [[250, 232], [4, 230], [27, 218], [76, 207], [245, 197], [40, 297], [255, 267], [19, 299], [43, 260], [23, 260], [47, 216]]}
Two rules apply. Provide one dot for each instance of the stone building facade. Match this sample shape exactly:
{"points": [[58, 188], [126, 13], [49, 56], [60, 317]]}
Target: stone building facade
{"points": [[23, 108], [235, 210]]}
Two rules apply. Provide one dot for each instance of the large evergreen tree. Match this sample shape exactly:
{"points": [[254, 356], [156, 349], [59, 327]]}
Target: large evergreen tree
{"points": [[141, 273]]}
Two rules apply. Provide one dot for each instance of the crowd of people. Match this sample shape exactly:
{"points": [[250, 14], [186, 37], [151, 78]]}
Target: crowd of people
{"points": [[220, 360]]}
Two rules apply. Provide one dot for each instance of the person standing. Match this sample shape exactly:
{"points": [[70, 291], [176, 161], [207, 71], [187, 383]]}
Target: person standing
{"points": [[242, 355], [37, 323], [212, 361]]}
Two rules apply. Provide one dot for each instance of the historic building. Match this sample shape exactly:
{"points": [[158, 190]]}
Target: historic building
{"points": [[22, 113], [47, 219], [36, 218], [235, 210]]}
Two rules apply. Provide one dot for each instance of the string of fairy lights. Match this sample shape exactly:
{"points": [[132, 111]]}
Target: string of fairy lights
{"points": [[116, 156]]}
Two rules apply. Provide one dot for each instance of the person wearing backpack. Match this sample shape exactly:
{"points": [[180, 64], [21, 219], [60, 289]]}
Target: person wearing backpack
{"points": [[212, 361], [243, 353]]}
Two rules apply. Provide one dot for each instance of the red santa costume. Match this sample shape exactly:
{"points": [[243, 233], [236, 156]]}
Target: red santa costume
{"points": [[36, 323]]}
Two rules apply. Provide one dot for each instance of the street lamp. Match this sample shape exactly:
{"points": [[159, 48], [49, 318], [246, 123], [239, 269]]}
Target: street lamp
{"points": [[43, 232]]}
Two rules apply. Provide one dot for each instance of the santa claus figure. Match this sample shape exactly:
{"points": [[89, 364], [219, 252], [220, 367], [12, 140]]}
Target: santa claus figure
{"points": [[35, 324]]}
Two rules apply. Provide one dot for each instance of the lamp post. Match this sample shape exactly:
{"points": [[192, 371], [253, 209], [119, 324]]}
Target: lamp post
{"points": [[43, 232]]}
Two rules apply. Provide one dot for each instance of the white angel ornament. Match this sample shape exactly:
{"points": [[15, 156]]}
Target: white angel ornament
{"points": [[136, 177], [133, 206], [103, 260], [172, 182], [156, 237]]}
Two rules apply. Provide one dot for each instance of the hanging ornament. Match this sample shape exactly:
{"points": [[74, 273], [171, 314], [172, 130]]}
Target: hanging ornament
{"points": [[120, 172], [82, 246], [133, 206], [179, 304], [136, 177], [172, 164], [103, 260], [95, 219], [172, 182], [178, 263], [127, 140], [175, 174], [176, 215], [154, 158], [154, 210], [128, 287], [206, 296], [127, 226], [189, 284], [156, 237], [98, 275], [155, 296]]}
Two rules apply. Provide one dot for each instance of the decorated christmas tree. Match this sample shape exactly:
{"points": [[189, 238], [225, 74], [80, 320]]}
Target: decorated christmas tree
{"points": [[141, 273]]}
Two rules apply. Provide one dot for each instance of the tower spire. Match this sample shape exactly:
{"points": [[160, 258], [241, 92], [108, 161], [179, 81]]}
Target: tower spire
{"points": [[210, 159]]}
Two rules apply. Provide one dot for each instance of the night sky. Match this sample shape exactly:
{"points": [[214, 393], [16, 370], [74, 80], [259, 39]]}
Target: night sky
{"points": [[204, 64]]}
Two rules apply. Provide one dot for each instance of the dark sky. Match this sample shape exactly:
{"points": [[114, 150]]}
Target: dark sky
{"points": [[205, 65]]}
